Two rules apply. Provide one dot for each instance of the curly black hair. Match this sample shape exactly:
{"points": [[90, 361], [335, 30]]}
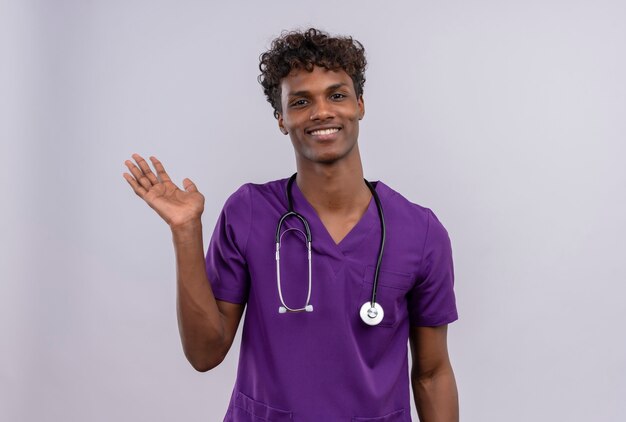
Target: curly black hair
{"points": [[303, 50]]}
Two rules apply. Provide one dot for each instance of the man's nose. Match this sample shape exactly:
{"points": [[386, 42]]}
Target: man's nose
{"points": [[322, 110]]}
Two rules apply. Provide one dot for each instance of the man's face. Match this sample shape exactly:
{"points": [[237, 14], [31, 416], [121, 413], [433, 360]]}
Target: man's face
{"points": [[321, 113]]}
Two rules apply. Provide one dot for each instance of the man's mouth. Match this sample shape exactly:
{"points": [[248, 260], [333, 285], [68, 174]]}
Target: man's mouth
{"points": [[321, 132]]}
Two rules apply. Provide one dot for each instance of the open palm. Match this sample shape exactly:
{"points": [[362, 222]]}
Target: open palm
{"points": [[174, 205]]}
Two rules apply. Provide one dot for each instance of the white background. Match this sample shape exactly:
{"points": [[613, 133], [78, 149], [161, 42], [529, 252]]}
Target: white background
{"points": [[506, 118]]}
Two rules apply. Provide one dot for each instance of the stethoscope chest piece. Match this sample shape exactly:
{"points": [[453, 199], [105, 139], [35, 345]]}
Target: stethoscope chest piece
{"points": [[371, 315]]}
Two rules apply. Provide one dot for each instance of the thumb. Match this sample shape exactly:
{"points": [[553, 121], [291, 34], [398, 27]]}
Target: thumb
{"points": [[189, 185]]}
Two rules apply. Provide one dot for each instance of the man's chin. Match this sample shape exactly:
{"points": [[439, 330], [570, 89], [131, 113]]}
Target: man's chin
{"points": [[328, 156], [328, 159]]}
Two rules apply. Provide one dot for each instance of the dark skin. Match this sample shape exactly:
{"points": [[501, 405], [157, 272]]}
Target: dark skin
{"points": [[320, 112], [432, 378], [207, 326], [330, 174]]}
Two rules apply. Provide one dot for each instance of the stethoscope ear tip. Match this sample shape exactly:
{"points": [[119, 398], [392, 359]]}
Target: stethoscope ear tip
{"points": [[283, 309]]}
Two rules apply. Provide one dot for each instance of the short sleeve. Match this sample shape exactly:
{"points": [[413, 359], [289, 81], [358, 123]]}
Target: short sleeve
{"points": [[226, 266], [431, 301]]}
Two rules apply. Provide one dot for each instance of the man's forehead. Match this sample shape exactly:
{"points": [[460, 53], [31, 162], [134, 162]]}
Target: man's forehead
{"points": [[318, 78]]}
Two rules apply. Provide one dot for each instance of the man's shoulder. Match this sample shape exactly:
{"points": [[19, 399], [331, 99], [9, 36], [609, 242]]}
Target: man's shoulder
{"points": [[399, 208], [400, 202], [252, 191], [272, 187]]}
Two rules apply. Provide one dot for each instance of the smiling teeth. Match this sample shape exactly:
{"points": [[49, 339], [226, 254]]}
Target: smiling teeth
{"points": [[324, 131]]}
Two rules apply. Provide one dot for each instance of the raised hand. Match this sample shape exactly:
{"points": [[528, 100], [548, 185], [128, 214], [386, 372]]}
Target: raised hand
{"points": [[177, 207]]}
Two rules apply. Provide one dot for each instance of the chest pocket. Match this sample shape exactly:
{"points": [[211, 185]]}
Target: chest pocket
{"points": [[397, 416], [390, 294], [249, 410]]}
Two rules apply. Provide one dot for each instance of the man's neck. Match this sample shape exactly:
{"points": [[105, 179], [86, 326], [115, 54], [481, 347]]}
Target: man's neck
{"points": [[333, 189]]}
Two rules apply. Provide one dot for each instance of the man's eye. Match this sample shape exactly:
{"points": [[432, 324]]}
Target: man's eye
{"points": [[337, 96], [298, 103]]}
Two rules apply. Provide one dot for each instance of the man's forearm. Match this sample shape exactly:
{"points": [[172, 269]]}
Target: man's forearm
{"points": [[436, 396], [199, 319]]}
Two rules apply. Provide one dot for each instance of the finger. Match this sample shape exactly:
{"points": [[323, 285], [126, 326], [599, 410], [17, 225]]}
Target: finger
{"points": [[138, 174], [141, 178], [163, 176], [145, 168], [189, 185], [139, 190]]}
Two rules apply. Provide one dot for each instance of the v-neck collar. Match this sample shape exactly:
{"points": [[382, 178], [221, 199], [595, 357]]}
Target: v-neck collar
{"points": [[321, 238]]}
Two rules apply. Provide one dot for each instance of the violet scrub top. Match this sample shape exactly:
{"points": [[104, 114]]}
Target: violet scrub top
{"points": [[327, 365]]}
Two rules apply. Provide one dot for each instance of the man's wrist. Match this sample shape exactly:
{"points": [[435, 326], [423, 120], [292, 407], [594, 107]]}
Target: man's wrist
{"points": [[187, 230]]}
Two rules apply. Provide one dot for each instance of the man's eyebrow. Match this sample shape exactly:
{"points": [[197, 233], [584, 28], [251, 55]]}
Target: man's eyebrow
{"points": [[298, 94], [336, 86], [306, 93]]}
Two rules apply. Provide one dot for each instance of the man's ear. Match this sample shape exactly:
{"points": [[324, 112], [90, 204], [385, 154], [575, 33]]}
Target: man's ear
{"points": [[281, 125], [361, 105]]}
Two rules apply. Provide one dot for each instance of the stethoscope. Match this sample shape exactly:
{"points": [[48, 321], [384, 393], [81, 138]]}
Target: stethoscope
{"points": [[371, 312]]}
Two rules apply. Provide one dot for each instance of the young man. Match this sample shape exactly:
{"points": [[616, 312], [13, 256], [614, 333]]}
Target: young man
{"points": [[316, 345]]}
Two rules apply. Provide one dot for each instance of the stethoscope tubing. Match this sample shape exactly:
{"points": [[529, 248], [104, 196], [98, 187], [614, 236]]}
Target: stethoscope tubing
{"points": [[308, 239], [284, 308], [383, 235]]}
